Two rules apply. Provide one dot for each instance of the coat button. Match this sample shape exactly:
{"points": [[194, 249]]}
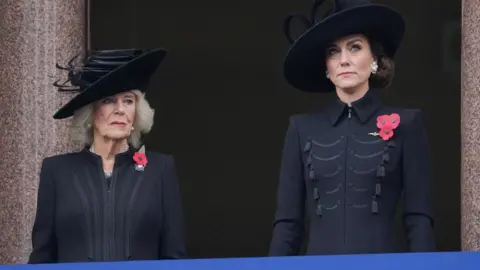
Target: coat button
{"points": [[318, 210]]}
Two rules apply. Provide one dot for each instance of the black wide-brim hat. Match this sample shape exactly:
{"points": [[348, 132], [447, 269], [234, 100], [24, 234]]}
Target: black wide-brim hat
{"points": [[106, 73], [304, 65]]}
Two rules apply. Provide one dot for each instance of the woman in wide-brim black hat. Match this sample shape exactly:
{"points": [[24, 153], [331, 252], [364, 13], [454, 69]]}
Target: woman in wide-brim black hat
{"points": [[347, 165], [111, 201]]}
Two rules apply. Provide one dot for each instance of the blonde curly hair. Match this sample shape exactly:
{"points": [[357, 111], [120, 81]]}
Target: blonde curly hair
{"points": [[81, 129]]}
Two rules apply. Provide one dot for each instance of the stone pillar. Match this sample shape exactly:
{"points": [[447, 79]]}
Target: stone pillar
{"points": [[470, 125], [34, 35]]}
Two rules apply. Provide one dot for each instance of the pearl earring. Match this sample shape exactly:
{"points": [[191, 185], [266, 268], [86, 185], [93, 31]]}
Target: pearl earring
{"points": [[326, 74], [133, 128], [374, 67]]}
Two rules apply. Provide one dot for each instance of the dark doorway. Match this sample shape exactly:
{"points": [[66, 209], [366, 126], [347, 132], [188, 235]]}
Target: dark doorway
{"points": [[222, 106]]}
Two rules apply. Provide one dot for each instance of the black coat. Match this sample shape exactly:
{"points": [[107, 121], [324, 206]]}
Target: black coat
{"points": [[83, 216], [349, 182]]}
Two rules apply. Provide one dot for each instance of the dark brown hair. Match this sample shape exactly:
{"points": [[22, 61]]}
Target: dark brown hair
{"points": [[386, 67]]}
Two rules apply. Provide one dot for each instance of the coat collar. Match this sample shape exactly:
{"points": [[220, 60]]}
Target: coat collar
{"points": [[120, 158], [363, 108]]}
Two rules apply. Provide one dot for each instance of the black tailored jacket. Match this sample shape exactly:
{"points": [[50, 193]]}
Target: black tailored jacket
{"points": [[349, 182], [83, 216]]}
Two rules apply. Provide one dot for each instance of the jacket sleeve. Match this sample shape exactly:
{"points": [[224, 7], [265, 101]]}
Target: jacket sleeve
{"points": [[44, 247], [288, 226], [418, 219], [172, 239]]}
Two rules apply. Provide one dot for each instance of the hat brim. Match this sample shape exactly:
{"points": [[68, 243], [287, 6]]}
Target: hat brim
{"points": [[114, 82], [304, 65]]}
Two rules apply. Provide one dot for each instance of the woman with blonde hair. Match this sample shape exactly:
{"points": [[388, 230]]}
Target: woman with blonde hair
{"points": [[111, 201]]}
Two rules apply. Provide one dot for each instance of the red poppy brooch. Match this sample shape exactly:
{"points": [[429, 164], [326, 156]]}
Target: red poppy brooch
{"points": [[386, 124], [140, 159]]}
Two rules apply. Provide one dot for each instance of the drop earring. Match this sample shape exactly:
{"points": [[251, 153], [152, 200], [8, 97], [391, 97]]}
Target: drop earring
{"points": [[327, 75]]}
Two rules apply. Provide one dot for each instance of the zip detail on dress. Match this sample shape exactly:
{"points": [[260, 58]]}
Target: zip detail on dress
{"points": [[108, 212], [346, 175]]}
